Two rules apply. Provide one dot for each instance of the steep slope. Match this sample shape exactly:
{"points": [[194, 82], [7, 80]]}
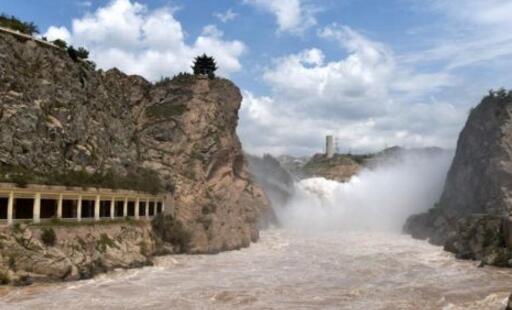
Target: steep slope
{"points": [[472, 218], [59, 116]]}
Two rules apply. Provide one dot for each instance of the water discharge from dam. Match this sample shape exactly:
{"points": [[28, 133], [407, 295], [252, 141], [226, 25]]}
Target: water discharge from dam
{"points": [[340, 248], [377, 199]]}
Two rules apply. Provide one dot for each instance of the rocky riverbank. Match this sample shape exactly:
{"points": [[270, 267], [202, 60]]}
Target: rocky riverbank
{"points": [[72, 252]]}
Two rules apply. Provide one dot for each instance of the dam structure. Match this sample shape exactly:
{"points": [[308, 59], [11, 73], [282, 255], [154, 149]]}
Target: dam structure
{"points": [[39, 203]]}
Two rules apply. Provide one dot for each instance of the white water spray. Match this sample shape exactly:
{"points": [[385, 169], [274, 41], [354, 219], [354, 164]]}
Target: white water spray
{"points": [[378, 199]]}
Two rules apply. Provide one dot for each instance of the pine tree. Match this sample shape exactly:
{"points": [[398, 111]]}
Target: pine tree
{"points": [[204, 65]]}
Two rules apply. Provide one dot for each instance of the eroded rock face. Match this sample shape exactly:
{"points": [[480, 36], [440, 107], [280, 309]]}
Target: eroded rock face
{"points": [[78, 252], [480, 178], [473, 216], [57, 115]]}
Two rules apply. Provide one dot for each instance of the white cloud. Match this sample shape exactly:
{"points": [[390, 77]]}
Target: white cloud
{"points": [[226, 16], [364, 98], [54, 33], [475, 32], [127, 35], [292, 15], [482, 12]]}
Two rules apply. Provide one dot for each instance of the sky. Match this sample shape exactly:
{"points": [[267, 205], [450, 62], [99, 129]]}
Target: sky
{"points": [[372, 73]]}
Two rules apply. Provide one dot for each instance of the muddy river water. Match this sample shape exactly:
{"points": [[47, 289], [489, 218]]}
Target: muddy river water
{"points": [[289, 270]]}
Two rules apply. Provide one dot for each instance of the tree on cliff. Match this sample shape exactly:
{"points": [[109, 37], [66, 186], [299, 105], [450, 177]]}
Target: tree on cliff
{"points": [[80, 53], [205, 65]]}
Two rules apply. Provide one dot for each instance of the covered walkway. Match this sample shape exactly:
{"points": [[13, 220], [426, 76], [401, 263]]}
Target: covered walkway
{"points": [[39, 203]]}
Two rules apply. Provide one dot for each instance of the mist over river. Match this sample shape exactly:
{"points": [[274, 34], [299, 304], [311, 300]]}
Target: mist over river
{"points": [[340, 248], [289, 270]]}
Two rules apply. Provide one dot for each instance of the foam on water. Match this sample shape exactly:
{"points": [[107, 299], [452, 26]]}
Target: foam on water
{"points": [[378, 199]]}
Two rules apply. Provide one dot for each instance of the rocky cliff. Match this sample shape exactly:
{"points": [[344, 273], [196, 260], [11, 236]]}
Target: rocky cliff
{"points": [[276, 181], [472, 218], [61, 117]]}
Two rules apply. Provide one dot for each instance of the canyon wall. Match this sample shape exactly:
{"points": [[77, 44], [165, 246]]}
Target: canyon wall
{"points": [[473, 216]]}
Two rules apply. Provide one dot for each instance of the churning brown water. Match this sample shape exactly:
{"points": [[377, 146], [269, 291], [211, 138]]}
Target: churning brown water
{"points": [[289, 270]]}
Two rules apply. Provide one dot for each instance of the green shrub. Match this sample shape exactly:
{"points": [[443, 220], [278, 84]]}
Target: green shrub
{"points": [[104, 242], [165, 110], [82, 53], [183, 78], [4, 278], [72, 52], [138, 178], [48, 236], [12, 263], [60, 43], [172, 231], [13, 23]]}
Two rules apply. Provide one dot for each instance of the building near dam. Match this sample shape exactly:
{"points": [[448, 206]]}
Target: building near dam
{"points": [[39, 203]]}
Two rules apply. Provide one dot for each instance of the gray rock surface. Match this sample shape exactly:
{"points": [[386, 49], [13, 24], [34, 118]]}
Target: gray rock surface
{"points": [[472, 218]]}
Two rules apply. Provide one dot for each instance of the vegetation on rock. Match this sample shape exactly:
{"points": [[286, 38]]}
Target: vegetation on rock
{"points": [[165, 110], [14, 23], [139, 179], [48, 236], [77, 54], [172, 231], [60, 43]]}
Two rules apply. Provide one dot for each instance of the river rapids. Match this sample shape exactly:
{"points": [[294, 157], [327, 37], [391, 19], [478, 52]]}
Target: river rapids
{"points": [[289, 270]]}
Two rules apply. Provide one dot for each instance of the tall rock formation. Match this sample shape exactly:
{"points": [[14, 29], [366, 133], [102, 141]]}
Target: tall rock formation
{"points": [[58, 115], [473, 216], [480, 178]]}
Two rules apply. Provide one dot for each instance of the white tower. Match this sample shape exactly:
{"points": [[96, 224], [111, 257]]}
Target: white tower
{"points": [[329, 146]]}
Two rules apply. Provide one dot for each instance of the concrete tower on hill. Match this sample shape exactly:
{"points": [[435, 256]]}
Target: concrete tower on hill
{"points": [[329, 146]]}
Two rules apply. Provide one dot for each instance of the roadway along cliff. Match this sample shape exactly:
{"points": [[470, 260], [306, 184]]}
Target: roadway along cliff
{"points": [[63, 118]]}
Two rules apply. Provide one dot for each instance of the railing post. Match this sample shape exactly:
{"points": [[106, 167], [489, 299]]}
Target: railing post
{"points": [[125, 207], [147, 207], [37, 208], [113, 207], [79, 209], [137, 203], [10, 207], [97, 208], [59, 207]]}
